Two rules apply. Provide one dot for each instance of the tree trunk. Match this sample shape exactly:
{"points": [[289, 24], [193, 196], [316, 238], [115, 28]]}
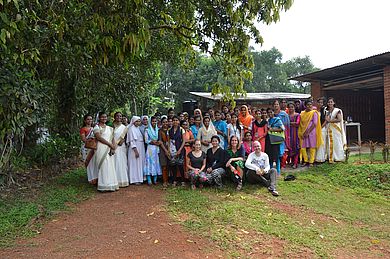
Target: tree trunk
{"points": [[66, 93]]}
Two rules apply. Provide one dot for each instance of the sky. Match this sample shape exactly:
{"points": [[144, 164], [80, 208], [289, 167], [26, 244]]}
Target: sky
{"points": [[330, 32]]}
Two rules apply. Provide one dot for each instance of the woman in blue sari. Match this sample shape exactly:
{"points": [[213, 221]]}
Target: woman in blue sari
{"points": [[152, 163], [221, 128], [274, 151], [285, 146]]}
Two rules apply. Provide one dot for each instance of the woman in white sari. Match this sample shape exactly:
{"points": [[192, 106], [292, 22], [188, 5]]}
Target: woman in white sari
{"points": [[136, 151], [336, 139], [120, 156], [104, 161]]}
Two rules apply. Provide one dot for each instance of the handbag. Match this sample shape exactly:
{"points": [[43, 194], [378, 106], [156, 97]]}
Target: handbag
{"points": [[276, 137], [177, 161], [91, 143]]}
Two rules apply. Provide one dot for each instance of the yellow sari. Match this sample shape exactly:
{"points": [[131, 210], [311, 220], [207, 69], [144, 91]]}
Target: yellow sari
{"points": [[306, 118]]}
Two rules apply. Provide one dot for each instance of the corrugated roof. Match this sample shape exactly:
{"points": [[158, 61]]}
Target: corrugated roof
{"points": [[255, 96], [361, 67]]}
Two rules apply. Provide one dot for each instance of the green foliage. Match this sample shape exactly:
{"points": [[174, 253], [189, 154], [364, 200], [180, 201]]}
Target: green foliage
{"points": [[17, 217], [270, 74], [53, 150]]}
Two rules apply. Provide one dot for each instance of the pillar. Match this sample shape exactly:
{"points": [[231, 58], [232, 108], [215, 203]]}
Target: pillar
{"points": [[386, 96], [316, 90]]}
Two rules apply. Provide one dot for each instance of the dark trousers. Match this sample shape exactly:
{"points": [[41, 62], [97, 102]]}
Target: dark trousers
{"points": [[268, 179]]}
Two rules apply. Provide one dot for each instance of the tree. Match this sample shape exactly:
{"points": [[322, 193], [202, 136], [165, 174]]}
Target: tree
{"points": [[63, 44]]}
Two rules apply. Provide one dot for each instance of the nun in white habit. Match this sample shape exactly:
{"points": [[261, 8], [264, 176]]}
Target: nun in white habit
{"points": [[136, 151]]}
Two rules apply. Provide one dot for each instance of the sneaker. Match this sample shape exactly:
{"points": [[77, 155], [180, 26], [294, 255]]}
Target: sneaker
{"points": [[239, 186], [273, 192]]}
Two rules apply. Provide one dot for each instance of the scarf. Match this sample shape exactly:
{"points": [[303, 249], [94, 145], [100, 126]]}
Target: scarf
{"points": [[152, 132]]}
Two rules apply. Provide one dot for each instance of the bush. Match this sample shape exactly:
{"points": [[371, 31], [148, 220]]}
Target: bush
{"points": [[369, 176], [55, 149]]}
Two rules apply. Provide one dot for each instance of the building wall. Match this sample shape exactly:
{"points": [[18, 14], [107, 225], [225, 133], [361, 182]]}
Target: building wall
{"points": [[386, 99], [364, 106]]}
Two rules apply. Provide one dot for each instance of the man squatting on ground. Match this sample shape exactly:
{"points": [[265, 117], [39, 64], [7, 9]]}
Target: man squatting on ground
{"points": [[259, 170]]}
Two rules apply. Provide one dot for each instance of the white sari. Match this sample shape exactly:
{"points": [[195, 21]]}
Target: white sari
{"points": [[121, 156], [321, 154], [336, 139], [105, 164], [135, 139]]}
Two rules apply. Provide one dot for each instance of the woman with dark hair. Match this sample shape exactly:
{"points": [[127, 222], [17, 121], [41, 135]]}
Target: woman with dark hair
{"points": [[164, 155], [215, 160], [120, 156], [221, 128], [235, 129], [177, 152], [274, 150], [235, 164], [336, 140], [189, 141], [196, 163], [247, 143], [86, 132], [197, 124], [259, 128], [293, 152], [105, 163], [309, 132], [205, 133], [152, 163], [285, 146]]}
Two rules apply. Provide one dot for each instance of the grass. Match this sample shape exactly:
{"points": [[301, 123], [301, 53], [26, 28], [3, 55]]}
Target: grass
{"points": [[20, 218], [329, 210]]}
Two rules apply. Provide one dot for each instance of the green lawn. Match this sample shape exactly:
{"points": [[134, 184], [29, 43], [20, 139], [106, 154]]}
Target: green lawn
{"points": [[20, 218], [330, 210]]}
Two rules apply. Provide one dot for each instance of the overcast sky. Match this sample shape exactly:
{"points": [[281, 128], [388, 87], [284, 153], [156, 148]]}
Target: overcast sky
{"points": [[330, 32]]}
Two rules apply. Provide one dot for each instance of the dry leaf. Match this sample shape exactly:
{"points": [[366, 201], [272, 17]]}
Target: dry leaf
{"points": [[244, 231], [142, 231], [120, 240], [189, 241], [312, 222], [156, 241], [270, 214], [175, 201], [150, 214], [321, 236], [242, 197], [335, 220], [375, 241], [228, 195]]}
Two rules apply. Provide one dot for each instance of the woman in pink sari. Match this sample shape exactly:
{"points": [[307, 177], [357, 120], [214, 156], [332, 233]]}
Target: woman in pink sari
{"points": [[293, 152]]}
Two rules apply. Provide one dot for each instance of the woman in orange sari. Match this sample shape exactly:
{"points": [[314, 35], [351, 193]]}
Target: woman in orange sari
{"points": [[189, 141], [245, 118]]}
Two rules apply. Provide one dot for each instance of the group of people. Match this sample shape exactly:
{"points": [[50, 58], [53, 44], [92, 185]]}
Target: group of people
{"points": [[240, 144]]}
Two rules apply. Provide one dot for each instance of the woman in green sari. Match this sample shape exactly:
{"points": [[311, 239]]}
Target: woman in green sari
{"points": [[235, 163]]}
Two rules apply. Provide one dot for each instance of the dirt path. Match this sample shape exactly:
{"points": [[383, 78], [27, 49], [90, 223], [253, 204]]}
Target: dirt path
{"points": [[129, 223]]}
